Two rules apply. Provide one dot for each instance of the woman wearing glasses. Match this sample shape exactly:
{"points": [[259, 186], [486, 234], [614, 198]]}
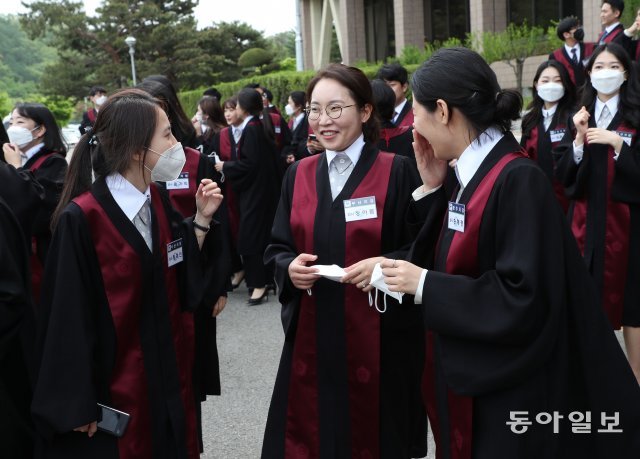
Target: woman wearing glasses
{"points": [[348, 382]]}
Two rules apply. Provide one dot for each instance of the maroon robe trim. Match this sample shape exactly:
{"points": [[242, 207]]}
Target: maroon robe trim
{"points": [[226, 154], [407, 119], [389, 133], [614, 33], [559, 56], [363, 238], [37, 268], [276, 120], [119, 263], [462, 260], [534, 143], [616, 240], [184, 201]]}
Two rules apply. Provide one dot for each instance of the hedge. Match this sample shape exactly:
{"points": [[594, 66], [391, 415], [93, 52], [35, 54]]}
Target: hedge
{"points": [[280, 84]]}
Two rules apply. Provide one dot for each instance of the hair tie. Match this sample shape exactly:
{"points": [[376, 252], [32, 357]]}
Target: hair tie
{"points": [[93, 140], [498, 94]]}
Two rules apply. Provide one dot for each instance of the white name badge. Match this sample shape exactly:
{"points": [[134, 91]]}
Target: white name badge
{"points": [[456, 216], [557, 135], [181, 183], [360, 209], [278, 129], [174, 252], [626, 137]]}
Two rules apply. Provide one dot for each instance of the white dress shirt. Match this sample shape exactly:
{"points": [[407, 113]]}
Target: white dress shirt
{"points": [[297, 120], [127, 196], [547, 116], [466, 167], [353, 151], [612, 105], [568, 49], [27, 155], [398, 110]]}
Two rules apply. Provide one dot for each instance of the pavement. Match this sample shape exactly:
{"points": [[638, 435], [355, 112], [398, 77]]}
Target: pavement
{"points": [[249, 344]]}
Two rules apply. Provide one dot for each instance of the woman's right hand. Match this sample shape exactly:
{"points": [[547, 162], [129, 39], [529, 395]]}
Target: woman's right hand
{"points": [[91, 428], [432, 170], [12, 154], [300, 274], [581, 122]]}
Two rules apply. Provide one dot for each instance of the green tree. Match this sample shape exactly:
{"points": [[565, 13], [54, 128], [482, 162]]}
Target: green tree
{"points": [[282, 45], [513, 45]]}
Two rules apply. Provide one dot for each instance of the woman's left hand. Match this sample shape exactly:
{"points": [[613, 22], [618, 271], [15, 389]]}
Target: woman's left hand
{"points": [[604, 137], [360, 273], [401, 276], [208, 199], [219, 306]]}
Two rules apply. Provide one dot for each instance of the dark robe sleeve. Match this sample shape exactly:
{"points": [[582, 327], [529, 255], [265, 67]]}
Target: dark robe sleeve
{"points": [[23, 193], [243, 171], [85, 125], [65, 393], [572, 176], [50, 175], [627, 175], [282, 250], [628, 43]]}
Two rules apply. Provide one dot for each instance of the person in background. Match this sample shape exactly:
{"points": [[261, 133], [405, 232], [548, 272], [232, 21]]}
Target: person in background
{"points": [[547, 120], [97, 96], [393, 139], [610, 14], [267, 98], [208, 121], [299, 127], [124, 273], [36, 145], [348, 384], [255, 181], [213, 92], [513, 330], [396, 77], [574, 53], [599, 166], [629, 41]]}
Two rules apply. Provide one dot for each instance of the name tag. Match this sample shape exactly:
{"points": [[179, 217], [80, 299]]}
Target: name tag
{"points": [[360, 209], [557, 135], [278, 129], [626, 137], [456, 216], [174, 252], [181, 183]]}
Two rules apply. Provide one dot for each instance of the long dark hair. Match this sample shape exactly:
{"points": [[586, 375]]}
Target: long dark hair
{"points": [[359, 88], [161, 87], [385, 100], [566, 104], [629, 103], [42, 116], [210, 106], [124, 127], [250, 101], [463, 79]]}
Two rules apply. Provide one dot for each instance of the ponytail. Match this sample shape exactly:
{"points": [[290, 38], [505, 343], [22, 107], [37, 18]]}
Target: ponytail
{"points": [[78, 178]]}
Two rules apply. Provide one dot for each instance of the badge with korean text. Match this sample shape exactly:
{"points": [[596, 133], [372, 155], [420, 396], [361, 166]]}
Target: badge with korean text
{"points": [[456, 216], [556, 135], [626, 136], [360, 209], [181, 183], [174, 252]]}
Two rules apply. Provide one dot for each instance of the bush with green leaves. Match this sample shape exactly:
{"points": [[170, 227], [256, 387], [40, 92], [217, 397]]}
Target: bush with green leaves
{"points": [[255, 57]]}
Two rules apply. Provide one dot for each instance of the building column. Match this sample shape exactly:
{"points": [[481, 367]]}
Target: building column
{"points": [[591, 19], [350, 28], [306, 7], [487, 15], [408, 19]]}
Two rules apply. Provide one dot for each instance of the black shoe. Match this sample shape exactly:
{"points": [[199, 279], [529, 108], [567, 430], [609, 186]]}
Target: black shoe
{"points": [[257, 301]]}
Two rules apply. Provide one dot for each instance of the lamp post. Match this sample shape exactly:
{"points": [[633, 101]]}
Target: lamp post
{"points": [[131, 42]]}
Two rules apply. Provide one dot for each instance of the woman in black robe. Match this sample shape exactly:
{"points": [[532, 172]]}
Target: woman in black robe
{"points": [[518, 353], [348, 381]]}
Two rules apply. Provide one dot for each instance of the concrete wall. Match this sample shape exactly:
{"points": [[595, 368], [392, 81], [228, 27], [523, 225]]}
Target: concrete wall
{"points": [[507, 77]]}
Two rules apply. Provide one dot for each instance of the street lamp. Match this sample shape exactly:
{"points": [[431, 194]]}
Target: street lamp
{"points": [[131, 42]]}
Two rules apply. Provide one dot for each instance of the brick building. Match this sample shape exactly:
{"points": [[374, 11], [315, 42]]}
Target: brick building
{"points": [[375, 29]]}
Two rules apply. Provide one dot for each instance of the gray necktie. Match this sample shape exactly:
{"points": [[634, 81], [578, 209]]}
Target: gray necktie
{"points": [[339, 171], [574, 55], [605, 118], [237, 132], [142, 221]]}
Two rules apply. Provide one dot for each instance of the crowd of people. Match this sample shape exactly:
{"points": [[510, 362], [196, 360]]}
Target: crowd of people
{"points": [[432, 268]]}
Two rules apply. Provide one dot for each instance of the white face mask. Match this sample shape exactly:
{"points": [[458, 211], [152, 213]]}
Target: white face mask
{"points": [[289, 110], [377, 281], [550, 92], [607, 81], [199, 117], [169, 165], [101, 100], [20, 135]]}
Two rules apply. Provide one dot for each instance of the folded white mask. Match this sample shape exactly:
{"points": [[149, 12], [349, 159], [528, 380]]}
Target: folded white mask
{"points": [[377, 281]]}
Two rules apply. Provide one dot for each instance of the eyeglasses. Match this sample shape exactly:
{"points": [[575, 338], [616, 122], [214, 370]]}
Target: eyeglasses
{"points": [[333, 111]]}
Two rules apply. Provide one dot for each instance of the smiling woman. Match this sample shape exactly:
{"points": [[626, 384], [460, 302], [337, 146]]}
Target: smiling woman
{"points": [[348, 382]]}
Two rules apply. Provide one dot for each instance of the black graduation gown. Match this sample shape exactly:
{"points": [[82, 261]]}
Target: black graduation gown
{"points": [[254, 178], [402, 429], [606, 191], [16, 338], [524, 335], [78, 336], [23, 193], [298, 145], [575, 70]]}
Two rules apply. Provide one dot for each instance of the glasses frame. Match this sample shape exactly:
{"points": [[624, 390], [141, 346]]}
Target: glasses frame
{"points": [[326, 110]]}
